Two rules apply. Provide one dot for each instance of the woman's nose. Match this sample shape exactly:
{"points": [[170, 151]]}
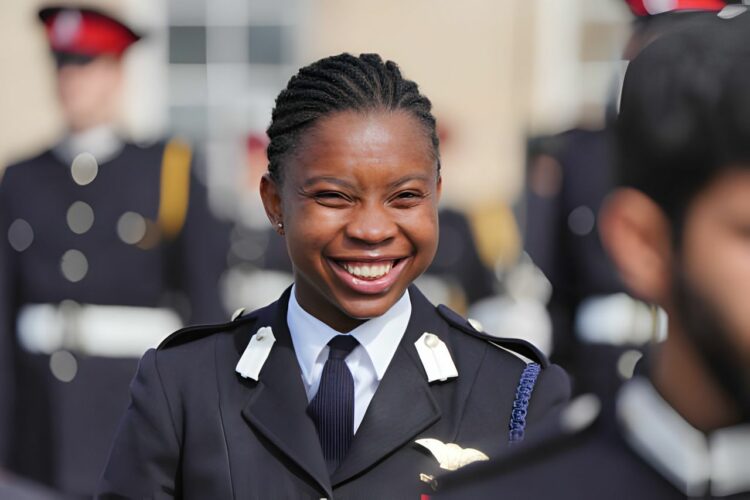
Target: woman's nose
{"points": [[371, 224]]}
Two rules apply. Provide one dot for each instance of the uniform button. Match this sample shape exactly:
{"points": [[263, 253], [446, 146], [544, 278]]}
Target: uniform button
{"points": [[80, 217], [581, 220], [84, 169], [63, 366], [131, 227], [74, 265], [20, 235], [431, 340], [260, 337]]}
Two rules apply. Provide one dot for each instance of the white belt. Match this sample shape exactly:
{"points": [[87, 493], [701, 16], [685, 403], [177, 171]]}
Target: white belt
{"points": [[619, 319], [96, 330]]}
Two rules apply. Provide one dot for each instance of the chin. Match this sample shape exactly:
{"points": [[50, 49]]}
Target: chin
{"points": [[368, 307]]}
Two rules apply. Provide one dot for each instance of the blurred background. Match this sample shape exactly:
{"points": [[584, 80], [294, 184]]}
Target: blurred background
{"points": [[497, 73]]}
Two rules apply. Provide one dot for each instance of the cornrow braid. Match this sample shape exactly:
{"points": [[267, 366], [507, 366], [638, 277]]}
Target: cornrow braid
{"points": [[341, 83]]}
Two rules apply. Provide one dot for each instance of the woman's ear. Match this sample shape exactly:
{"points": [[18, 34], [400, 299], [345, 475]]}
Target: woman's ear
{"points": [[270, 193], [636, 234]]}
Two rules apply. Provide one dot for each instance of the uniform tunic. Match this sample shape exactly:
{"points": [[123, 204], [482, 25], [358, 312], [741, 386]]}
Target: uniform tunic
{"points": [[54, 431], [196, 428]]}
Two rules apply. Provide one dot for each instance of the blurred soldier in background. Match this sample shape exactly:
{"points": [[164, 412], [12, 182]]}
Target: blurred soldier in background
{"points": [[677, 231], [598, 329], [106, 248]]}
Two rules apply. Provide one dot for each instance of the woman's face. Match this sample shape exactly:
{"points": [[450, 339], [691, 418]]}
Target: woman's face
{"points": [[359, 205]]}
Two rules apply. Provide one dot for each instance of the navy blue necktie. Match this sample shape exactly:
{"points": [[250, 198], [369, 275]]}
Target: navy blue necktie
{"points": [[332, 408]]}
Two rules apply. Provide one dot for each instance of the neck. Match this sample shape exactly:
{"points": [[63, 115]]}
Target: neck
{"points": [[681, 377]]}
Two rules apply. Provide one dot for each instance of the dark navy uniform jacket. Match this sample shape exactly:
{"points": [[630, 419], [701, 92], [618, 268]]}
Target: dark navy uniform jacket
{"points": [[598, 460], [196, 429], [58, 432], [591, 465]]}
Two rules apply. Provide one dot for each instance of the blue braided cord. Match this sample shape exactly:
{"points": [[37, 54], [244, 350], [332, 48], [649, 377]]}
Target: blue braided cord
{"points": [[526, 383]]}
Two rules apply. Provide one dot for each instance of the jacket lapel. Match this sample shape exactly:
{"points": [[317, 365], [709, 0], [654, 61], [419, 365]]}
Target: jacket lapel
{"points": [[403, 405], [278, 404]]}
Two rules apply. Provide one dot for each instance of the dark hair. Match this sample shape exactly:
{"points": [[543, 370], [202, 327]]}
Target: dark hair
{"points": [[340, 83], [685, 113]]}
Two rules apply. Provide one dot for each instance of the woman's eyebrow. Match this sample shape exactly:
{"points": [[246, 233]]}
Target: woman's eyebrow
{"points": [[407, 178], [335, 180], [325, 178]]}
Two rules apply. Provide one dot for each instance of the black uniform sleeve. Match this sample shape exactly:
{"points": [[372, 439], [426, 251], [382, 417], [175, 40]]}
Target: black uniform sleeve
{"points": [[144, 458]]}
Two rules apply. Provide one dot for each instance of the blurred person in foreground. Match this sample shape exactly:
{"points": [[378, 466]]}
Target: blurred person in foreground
{"points": [[598, 328], [678, 230], [106, 248]]}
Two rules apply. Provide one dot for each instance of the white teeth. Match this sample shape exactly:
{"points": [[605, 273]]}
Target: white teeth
{"points": [[369, 271]]}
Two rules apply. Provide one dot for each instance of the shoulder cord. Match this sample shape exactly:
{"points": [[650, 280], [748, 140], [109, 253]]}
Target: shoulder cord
{"points": [[526, 383]]}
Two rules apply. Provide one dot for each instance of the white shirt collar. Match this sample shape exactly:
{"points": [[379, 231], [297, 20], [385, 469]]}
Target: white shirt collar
{"points": [[101, 141], [379, 336], [691, 460]]}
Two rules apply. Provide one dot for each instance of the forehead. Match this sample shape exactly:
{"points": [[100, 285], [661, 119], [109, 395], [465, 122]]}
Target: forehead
{"points": [[349, 138]]}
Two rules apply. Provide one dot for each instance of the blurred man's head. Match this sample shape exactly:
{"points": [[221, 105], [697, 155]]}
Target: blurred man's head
{"points": [[88, 47], [679, 228], [654, 18]]}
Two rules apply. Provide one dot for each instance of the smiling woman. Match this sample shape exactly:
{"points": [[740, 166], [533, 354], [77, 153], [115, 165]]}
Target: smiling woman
{"points": [[334, 389], [359, 208]]}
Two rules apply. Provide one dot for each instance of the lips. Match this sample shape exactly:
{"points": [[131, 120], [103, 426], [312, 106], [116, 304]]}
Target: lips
{"points": [[368, 276]]}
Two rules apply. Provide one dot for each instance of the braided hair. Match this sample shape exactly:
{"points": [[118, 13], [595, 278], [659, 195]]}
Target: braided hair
{"points": [[342, 83]]}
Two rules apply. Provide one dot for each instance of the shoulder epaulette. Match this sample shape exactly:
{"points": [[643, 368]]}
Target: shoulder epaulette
{"points": [[519, 346], [196, 332]]}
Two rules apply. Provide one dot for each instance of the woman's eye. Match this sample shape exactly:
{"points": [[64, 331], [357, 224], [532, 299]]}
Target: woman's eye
{"points": [[332, 198], [407, 198]]}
